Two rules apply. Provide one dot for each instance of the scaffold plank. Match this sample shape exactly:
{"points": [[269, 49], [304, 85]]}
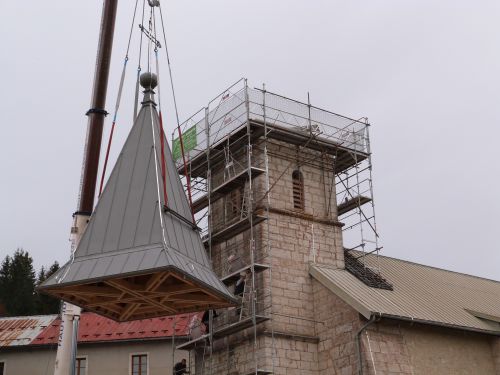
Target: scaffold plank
{"points": [[234, 276], [222, 332], [198, 164], [195, 343], [351, 204], [239, 326], [234, 229], [226, 187], [345, 157]]}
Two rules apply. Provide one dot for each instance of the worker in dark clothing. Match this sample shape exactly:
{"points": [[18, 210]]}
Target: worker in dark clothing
{"points": [[239, 289], [206, 319], [180, 368]]}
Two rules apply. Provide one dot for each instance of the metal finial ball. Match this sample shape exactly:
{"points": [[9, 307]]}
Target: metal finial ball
{"points": [[149, 80]]}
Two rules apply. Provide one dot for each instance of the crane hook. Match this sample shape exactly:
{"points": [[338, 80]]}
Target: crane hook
{"points": [[154, 3]]}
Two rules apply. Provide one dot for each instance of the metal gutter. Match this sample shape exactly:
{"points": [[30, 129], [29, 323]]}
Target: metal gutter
{"points": [[438, 324], [53, 345]]}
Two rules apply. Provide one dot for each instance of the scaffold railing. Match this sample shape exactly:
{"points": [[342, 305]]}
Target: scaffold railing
{"points": [[227, 114], [216, 127]]}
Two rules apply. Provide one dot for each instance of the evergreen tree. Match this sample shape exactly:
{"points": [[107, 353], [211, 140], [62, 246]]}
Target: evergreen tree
{"points": [[44, 303], [17, 284], [5, 284]]}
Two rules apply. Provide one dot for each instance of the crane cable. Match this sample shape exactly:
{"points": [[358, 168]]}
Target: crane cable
{"points": [[136, 101], [181, 142], [118, 100], [152, 29], [152, 26]]}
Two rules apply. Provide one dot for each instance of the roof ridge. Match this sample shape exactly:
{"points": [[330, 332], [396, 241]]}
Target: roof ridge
{"points": [[427, 266]]}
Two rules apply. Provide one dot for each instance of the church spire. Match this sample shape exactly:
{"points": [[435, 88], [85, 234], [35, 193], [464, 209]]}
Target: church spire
{"points": [[141, 256]]}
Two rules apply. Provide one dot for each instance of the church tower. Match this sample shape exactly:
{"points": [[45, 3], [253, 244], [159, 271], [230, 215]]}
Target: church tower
{"points": [[277, 186]]}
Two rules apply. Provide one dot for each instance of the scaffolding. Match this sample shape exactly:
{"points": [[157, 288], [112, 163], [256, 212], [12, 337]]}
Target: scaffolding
{"points": [[222, 157]]}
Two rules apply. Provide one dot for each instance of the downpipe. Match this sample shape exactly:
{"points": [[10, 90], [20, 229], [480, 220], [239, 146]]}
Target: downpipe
{"points": [[74, 343], [373, 318]]}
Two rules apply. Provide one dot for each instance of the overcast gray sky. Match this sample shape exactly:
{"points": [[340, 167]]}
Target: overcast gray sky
{"points": [[425, 73]]}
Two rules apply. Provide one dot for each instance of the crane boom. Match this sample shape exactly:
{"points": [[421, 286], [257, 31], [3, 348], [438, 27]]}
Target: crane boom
{"points": [[68, 332]]}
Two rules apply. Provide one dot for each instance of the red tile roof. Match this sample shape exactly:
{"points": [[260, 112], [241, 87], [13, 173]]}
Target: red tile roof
{"points": [[95, 328]]}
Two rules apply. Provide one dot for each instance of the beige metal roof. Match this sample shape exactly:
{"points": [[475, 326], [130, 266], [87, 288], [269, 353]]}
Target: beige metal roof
{"points": [[421, 293]]}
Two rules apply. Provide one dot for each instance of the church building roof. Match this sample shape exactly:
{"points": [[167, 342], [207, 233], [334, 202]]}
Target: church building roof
{"points": [[419, 293]]}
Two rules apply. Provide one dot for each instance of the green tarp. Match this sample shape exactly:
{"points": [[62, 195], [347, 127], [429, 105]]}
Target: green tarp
{"points": [[188, 140]]}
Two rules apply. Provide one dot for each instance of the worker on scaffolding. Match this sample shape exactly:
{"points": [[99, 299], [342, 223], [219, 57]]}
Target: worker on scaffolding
{"points": [[180, 368], [239, 289], [206, 319], [235, 263]]}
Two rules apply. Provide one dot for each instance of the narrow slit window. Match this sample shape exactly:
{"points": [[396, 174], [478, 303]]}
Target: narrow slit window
{"points": [[298, 190]]}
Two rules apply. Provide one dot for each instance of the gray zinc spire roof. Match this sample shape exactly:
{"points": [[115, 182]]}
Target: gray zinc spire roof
{"points": [[140, 256]]}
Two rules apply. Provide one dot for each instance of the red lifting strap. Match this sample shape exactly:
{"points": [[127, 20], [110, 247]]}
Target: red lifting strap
{"points": [[107, 157]]}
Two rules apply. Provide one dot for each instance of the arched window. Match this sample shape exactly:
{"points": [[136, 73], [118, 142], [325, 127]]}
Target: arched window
{"points": [[298, 189]]}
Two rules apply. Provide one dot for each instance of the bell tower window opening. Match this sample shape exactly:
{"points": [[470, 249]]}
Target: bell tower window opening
{"points": [[298, 190]]}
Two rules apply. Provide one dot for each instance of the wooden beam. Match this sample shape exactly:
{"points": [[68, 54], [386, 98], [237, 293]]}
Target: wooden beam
{"points": [[175, 289], [123, 285], [113, 308], [156, 280], [183, 281], [104, 302], [199, 297], [129, 310], [192, 284], [178, 304], [92, 290], [75, 297]]}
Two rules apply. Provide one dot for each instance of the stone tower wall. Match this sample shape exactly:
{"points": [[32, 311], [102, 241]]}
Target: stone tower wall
{"points": [[293, 238]]}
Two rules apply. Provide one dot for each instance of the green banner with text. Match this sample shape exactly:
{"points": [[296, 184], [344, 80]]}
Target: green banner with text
{"points": [[188, 140]]}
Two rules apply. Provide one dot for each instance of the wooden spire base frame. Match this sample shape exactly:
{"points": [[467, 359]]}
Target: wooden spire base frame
{"points": [[142, 296]]}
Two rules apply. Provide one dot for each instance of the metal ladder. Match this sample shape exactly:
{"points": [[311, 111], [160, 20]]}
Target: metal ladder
{"points": [[246, 299]]}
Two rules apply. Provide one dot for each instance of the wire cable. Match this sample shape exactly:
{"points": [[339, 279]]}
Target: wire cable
{"points": [[152, 27], [118, 100], [188, 178], [169, 66], [136, 102]]}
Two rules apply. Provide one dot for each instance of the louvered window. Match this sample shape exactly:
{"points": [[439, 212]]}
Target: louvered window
{"points": [[298, 190]]}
